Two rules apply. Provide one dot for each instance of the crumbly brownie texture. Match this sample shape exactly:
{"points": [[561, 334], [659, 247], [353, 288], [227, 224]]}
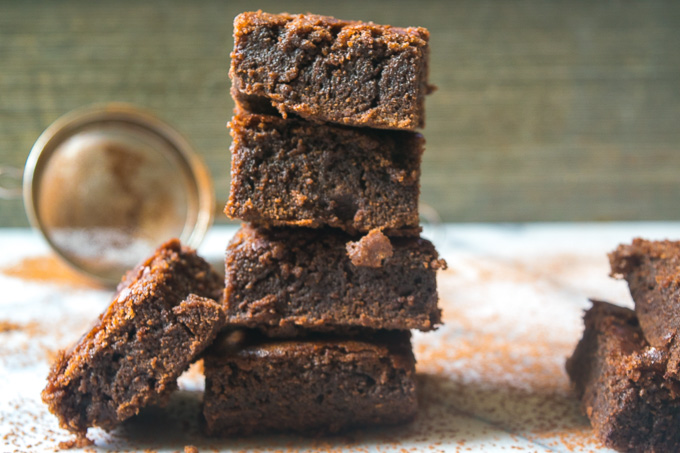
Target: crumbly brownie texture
{"points": [[316, 385], [652, 270], [620, 380], [161, 318], [371, 250], [295, 173], [328, 70], [284, 279]]}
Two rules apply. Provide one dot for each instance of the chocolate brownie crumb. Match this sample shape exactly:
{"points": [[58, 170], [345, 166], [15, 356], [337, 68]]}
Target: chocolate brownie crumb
{"points": [[371, 250]]}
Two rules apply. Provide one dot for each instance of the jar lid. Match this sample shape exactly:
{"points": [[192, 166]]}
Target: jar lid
{"points": [[106, 185]]}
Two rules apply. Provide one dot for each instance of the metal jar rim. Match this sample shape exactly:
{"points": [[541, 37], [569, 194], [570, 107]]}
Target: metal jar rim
{"points": [[71, 122]]}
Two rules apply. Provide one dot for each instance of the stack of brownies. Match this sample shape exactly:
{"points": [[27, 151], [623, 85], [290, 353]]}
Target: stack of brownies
{"points": [[626, 369], [324, 284], [330, 273]]}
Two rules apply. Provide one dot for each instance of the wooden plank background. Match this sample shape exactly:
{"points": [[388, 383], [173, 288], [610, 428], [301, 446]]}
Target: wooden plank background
{"points": [[546, 110]]}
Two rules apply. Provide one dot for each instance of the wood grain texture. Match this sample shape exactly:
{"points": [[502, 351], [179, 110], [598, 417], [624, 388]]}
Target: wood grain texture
{"points": [[545, 110]]}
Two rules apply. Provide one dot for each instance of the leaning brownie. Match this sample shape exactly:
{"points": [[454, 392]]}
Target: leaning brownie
{"points": [[315, 385], [161, 318], [295, 173], [652, 269], [284, 279], [328, 70], [620, 380]]}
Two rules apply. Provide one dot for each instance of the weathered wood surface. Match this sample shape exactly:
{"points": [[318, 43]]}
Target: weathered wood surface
{"points": [[545, 110]]}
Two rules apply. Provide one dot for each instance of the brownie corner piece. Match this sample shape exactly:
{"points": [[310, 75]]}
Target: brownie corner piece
{"points": [[304, 279], [621, 382], [316, 385], [328, 70], [161, 318], [288, 172]]}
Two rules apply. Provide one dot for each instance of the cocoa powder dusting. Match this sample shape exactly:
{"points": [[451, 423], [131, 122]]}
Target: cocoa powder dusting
{"points": [[47, 269], [8, 326]]}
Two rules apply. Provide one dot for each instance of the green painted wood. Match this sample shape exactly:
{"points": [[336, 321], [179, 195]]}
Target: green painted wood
{"points": [[545, 111]]}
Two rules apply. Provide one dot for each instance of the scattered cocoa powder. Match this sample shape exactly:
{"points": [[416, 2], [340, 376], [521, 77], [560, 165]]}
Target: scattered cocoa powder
{"points": [[8, 326], [48, 269]]}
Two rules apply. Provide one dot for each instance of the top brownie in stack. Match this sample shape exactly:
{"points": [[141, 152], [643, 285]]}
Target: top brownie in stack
{"points": [[328, 70]]}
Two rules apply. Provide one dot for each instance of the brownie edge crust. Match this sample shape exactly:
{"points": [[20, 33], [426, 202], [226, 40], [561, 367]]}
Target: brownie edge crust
{"points": [[162, 316], [317, 385]]}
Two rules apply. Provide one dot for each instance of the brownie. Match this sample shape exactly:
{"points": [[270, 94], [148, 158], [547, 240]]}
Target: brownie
{"points": [[287, 172], [284, 279], [620, 380], [162, 316], [316, 385], [328, 70], [652, 270]]}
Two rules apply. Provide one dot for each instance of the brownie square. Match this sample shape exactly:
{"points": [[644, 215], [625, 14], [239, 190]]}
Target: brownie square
{"points": [[295, 173], [285, 279], [162, 316], [620, 380], [315, 385], [652, 270], [327, 70]]}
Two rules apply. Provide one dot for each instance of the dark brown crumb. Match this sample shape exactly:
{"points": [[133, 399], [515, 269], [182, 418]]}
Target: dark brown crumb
{"points": [[371, 250], [78, 441]]}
